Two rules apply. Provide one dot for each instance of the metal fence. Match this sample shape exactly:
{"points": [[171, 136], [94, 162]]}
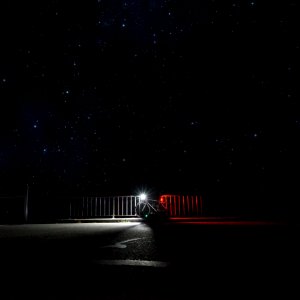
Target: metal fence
{"points": [[125, 206], [113, 206], [15, 209], [182, 205]]}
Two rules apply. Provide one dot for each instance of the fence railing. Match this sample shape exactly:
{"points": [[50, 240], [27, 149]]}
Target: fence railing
{"points": [[15, 209], [125, 206], [182, 205], [113, 206]]}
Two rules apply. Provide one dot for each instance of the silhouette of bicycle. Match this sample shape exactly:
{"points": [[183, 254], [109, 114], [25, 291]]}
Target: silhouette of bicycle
{"points": [[146, 207]]}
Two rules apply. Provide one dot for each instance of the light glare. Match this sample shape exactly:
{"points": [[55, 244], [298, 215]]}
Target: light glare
{"points": [[143, 196]]}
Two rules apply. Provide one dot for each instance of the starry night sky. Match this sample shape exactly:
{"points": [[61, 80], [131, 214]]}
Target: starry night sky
{"points": [[110, 96]]}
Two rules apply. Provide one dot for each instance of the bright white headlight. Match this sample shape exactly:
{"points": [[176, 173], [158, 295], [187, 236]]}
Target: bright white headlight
{"points": [[143, 196]]}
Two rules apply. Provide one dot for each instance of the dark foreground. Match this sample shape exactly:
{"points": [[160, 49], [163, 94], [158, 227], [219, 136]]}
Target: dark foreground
{"points": [[189, 260]]}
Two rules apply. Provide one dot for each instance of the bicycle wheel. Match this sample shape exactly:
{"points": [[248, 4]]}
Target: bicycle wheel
{"points": [[142, 210]]}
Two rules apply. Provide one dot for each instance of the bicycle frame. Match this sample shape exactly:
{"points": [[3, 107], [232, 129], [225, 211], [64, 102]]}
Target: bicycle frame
{"points": [[149, 207]]}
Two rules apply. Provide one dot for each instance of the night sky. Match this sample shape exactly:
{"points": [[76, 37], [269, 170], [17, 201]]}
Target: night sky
{"points": [[112, 96]]}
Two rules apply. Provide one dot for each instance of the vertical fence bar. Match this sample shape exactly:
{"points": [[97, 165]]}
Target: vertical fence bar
{"points": [[91, 210], [122, 205], [109, 206], [187, 205], [91, 206], [26, 199], [100, 207], [87, 207], [113, 207], [125, 206], [91, 201], [96, 207], [201, 206], [175, 205], [133, 206]]}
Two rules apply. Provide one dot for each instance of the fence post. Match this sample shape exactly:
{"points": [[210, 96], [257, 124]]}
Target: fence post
{"points": [[113, 207], [26, 204]]}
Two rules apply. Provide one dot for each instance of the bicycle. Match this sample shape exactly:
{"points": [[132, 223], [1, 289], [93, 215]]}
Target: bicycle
{"points": [[146, 208]]}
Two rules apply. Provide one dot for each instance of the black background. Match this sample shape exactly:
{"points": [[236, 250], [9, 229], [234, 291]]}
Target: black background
{"points": [[115, 97]]}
